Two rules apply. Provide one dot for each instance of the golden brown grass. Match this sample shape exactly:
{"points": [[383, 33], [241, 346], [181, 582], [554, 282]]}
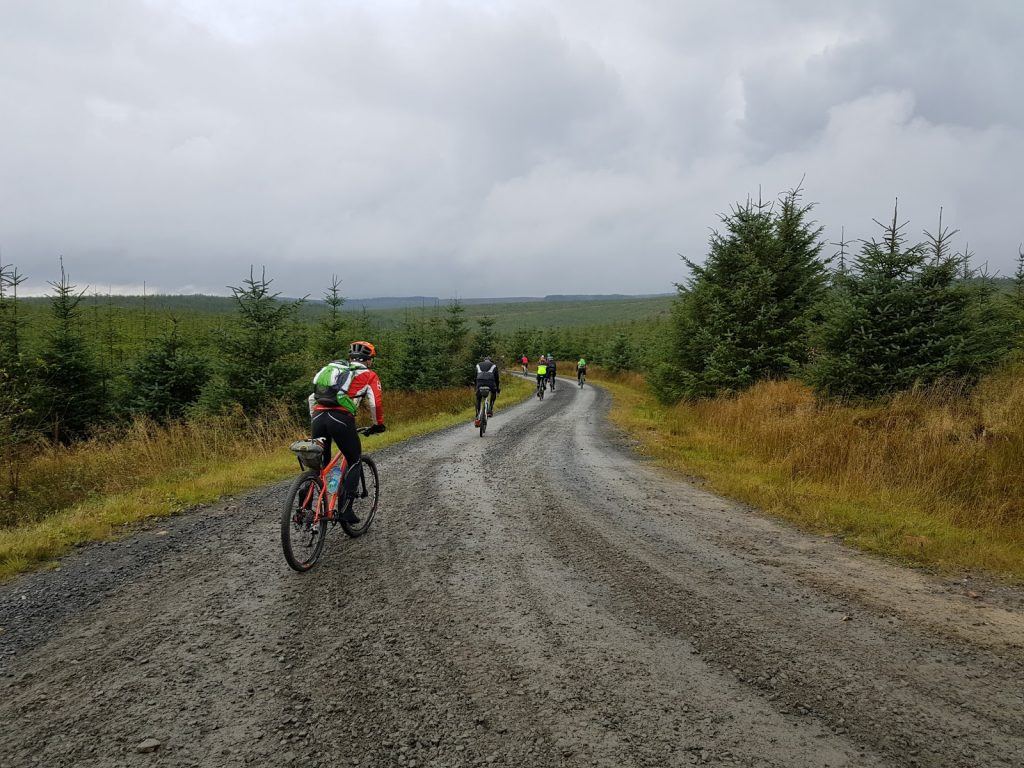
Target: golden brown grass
{"points": [[91, 490], [933, 476]]}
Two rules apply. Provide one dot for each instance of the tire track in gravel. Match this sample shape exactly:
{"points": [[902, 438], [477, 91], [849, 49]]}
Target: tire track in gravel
{"points": [[539, 597]]}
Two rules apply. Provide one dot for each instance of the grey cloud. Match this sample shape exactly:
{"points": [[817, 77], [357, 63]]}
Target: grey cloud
{"points": [[486, 148]]}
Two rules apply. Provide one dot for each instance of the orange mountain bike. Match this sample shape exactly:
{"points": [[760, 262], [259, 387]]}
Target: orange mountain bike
{"points": [[316, 501]]}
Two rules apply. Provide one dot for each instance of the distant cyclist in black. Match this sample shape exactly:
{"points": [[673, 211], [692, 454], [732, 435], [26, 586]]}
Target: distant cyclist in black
{"points": [[486, 376]]}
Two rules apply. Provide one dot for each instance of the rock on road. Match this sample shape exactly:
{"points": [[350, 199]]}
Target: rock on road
{"points": [[539, 597]]}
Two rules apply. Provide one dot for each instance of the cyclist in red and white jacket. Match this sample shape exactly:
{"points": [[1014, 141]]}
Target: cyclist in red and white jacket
{"points": [[339, 389]]}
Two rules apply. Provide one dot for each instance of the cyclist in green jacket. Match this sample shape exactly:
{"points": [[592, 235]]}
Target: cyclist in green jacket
{"points": [[542, 372]]}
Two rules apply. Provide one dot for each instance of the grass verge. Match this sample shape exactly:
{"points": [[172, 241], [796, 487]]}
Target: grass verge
{"points": [[931, 478], [159, 471]]}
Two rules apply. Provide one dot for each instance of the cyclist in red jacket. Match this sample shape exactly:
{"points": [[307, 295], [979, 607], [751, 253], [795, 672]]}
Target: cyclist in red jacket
{"points": [[339, 388]]}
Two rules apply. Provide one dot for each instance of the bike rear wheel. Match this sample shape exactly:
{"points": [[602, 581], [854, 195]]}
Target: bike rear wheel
{"points": [[302, 534], [366, 498], [482, 416]]}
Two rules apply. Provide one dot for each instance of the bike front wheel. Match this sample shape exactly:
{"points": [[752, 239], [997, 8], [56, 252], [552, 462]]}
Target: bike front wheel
{"points": [[303, 531], [366, 498]]}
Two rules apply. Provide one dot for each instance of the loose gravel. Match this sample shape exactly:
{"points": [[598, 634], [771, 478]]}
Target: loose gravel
{"points": [[538, 597]]}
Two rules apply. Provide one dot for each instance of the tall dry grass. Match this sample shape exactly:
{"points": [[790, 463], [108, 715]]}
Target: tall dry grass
{"points": [[935, 475], [964, 454], [54, 478]]}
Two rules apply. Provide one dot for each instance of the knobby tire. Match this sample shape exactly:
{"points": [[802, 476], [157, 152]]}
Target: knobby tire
{"points": [[365, 506], [302, 556]]}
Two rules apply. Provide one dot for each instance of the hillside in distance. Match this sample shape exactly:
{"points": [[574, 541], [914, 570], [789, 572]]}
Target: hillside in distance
{"points": [[543, 313], [509, 313]]}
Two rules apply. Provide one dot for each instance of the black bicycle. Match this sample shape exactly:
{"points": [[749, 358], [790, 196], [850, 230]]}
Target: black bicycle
{"points": [[317, 500], [581, 376], [541, 386]]}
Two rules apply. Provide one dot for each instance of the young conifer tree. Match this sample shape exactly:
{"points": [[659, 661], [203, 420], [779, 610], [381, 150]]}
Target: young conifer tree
{"points": [[436, 366], [16, 381], [10, 321], [455, 328], [1018, 279], [746, 312], [800, 276], [71, 396], [619, 356], [330, 335], [902, 317], [456, 349], [258, 364], [168, 378], [485, 341], [412, 370]]}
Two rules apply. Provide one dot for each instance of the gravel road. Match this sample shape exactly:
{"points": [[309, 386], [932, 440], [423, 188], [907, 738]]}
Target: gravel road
{"points": [[539, 597]]}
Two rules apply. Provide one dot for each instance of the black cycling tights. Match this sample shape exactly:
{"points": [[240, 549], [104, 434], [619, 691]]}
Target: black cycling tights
{"points": [[339, 427], [480, 396]]}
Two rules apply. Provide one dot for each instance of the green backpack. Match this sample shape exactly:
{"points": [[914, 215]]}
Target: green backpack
{"points": [[331, 385]]}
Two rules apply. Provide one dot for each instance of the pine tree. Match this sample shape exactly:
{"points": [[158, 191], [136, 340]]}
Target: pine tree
{"points": [[746, 313], [412, 355], [10, 322], [71, 398], [112, 354], [258, 364], [521, 343], [436, 366], [841, 256], [168, 378], [16, 379], [484, 341], [904, 317], [455, 331], [1018, 279], [619, 356], [330, 339]]}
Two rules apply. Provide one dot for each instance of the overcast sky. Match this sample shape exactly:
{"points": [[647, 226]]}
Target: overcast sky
{"points": [[481, 148]]}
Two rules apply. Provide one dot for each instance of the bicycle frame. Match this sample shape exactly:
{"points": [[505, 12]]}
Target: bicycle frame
{"points": [[332, 498]]}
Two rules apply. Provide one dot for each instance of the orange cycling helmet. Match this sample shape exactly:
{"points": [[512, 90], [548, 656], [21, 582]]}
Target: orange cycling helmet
{"points": [[361, 350]]}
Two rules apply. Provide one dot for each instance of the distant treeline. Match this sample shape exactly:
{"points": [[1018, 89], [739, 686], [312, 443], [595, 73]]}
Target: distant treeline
{"points": [[509, 314], [72, 364]]}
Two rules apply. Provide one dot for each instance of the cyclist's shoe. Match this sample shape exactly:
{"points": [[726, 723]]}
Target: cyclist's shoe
{"points": [[348, 516], [476, 422], [490, 414]]}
